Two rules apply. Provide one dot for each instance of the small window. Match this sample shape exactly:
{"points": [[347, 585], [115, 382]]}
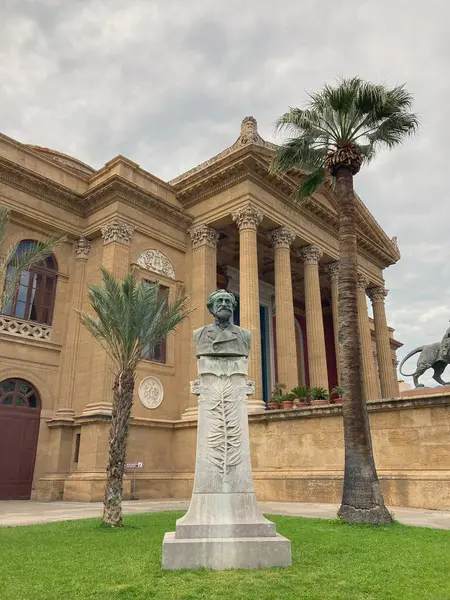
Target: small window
{"points": [[77, 447], [19, 393], [158, 352], [35, 296]]}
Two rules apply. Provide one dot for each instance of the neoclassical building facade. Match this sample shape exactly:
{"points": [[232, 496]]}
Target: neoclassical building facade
{"points": [[229, 223]]}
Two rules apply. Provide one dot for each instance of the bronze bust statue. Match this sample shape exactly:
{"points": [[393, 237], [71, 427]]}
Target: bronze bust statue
{"points": [[222, 337]]}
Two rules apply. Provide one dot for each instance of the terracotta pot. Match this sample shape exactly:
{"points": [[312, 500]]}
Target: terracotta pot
{"points": [[336, 401], [301, 404], [272, 405], [288, 404], [319, 402]]}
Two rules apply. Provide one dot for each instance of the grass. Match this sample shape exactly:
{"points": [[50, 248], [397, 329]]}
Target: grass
{"points": [[331, 561]]}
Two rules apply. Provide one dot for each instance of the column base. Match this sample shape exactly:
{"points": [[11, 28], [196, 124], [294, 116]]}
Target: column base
{"points": [[256, 406], [225, 553]]}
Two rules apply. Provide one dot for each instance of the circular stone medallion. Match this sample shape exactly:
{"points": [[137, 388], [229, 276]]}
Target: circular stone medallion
{"points": [[151, 392]]}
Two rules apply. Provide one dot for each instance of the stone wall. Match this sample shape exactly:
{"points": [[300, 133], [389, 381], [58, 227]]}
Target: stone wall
{"points": [[298, 455]]}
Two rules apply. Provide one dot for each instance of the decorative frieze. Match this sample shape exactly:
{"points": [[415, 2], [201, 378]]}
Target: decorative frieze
{"points": [[117, 231], [282, 237], [24, 329], [82, 248], [377, 294], [157, 262], [248, 218], [204, 236], [310, 255]]}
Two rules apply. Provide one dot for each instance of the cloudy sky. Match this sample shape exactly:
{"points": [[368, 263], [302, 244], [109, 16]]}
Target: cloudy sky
{"points": [[167, 82]]}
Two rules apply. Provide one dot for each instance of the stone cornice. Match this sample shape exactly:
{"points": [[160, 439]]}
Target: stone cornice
{"points": [[118, 189], [40, 186], [252, 162]]}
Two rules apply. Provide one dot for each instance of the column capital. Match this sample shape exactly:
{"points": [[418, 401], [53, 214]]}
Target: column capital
{"points": [[310, 255], [377, 293], [333, 270], [82, 248], [203, 235], [117, 231], [282, 237], [362, 283], [248, 217]]}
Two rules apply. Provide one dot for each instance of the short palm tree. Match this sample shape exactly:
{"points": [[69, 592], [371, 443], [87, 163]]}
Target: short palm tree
{"points": [[15, 261], [341, 129], [129, 317]]}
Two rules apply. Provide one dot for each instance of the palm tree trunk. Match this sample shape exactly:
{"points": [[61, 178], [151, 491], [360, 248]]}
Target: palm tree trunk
{"points": [[118, 435], [362, 500]]}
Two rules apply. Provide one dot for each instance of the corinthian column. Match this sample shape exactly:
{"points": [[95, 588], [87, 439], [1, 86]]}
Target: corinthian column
{"points": [[333, 272], [368, 364], [204, 281], [388, 378], [282, 239], [315, 336], [247, 220]]}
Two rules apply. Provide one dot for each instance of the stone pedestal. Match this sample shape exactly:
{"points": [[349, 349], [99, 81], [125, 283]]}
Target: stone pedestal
{"points": [[223, 528]]}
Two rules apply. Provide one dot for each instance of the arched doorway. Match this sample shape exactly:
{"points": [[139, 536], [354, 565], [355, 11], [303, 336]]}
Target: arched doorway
{"points": [[20, 409]]}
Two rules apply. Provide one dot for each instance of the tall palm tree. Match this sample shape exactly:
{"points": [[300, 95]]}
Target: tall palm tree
{"points": [[129, 317], [15, 261], [341, 129]]}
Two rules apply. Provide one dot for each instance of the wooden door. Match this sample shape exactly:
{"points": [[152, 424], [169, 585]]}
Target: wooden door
{"points": [[19, 429]]}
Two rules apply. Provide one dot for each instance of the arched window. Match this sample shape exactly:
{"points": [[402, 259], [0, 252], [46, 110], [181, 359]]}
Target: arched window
{"points": [[17, 393], [35, 296]]}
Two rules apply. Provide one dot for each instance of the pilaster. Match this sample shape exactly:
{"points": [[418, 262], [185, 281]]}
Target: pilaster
{"points": [[204, 281]]}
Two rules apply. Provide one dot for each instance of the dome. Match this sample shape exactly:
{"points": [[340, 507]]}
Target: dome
{"points": [[62, 159]]}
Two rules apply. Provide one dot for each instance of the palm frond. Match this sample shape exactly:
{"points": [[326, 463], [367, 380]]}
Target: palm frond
{"points": [[309, 184], [353, 114], [130, 316], [18, 259]]}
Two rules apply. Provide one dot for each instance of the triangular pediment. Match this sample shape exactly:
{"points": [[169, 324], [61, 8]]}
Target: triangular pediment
{"points": [[250, 157]]}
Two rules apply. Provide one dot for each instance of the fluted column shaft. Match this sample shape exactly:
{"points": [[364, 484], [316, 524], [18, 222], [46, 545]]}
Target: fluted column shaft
{"points": [[70, 352], [247, 221], [317, 359], [204, 281], [369, 372], [388, 378], [333, 271], [282, 239]]}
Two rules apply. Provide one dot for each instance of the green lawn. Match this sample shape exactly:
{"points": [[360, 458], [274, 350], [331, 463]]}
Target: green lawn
{"points": [[331, 561]]}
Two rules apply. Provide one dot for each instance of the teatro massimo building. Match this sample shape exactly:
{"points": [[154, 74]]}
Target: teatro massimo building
{"points": [[227, 223]]}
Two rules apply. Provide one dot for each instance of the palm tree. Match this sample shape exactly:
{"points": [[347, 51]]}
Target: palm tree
{"points": [[341, 129], [130, 317], [15, 261]]}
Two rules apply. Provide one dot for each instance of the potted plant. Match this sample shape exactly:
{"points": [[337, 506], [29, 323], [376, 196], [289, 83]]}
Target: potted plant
{"points": [[277, 396], [300, 393], [319, 395], [337, 393], [287, 400]]}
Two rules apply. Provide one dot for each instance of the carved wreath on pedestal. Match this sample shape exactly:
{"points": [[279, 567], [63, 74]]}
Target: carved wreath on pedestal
{"points": [[151, 392], [156, 261]]}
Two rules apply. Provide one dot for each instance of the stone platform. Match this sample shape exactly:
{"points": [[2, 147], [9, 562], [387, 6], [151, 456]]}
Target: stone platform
{"points": [[225, 553]]}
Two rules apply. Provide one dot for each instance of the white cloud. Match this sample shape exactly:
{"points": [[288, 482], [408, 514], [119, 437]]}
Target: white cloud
{"points": [[167, 82]]}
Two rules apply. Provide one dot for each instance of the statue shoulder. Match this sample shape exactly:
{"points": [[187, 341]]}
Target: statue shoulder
{"points": [[197, 333]]}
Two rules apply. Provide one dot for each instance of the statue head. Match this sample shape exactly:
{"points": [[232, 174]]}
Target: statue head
{"points": [[221, 305]]}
